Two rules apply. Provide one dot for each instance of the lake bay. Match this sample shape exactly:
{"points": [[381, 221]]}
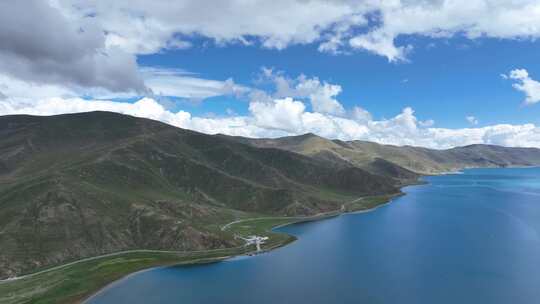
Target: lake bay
{"points": [[461, 238]]}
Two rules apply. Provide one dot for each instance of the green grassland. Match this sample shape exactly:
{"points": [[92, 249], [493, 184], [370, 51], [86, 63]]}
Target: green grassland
{"points": [[75, 282]]}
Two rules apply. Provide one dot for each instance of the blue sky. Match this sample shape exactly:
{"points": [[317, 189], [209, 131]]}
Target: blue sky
{"points": [[443, 80], [437, 73]]}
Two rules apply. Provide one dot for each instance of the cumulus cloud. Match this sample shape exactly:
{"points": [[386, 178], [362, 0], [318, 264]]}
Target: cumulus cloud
{"points": [[321, 95], [23, 91], [287, 116], [41, 45], [472, 120], [443, 19], [275, 24], [427, 123], [140, 27], [381, 43], [281, 114], [95, 44], [361, 115], [525, 84]]}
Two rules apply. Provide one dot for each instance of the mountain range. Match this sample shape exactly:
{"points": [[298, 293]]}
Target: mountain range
{"points": [[80, 185]]}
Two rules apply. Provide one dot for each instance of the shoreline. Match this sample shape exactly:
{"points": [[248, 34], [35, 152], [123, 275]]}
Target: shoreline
{"points": [[292, 238], [164, 258], [116, 282], [229, 257], [318, 217], [131, 262], [183, 258]]}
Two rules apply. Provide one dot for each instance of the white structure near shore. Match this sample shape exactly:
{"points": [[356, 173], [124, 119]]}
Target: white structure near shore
{"points": [[254, 240]]}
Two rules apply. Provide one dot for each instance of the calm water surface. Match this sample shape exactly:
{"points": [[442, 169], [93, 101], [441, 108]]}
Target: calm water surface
{"points": [[468, 238]]}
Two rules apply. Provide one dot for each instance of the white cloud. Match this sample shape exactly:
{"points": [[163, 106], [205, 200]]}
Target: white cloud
{"points": [[381, 43], [436, 19], [321, 95], [525, 84], [139, 27], [94, 44], [44, 46], [159, 81], [82, 48], [427, 123], [27, 91], [179, 83], [142, 27], [333, 42], [281, 114], [270, 115], [361, 115], [286, 116], [472, 120]]}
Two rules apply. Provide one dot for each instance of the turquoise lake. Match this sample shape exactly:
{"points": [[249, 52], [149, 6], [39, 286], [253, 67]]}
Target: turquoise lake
{"points": [[462, 238]]}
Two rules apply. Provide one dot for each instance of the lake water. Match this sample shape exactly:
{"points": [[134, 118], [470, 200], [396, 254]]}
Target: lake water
{"points": [[464, 238]]}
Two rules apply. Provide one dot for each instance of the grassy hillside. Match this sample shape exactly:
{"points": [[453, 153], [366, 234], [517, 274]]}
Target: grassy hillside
{"points": [[80, 185], [90, 184], [403, 163]]}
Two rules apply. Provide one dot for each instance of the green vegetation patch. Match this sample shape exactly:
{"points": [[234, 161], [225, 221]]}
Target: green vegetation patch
{"points": [[75, 282]]}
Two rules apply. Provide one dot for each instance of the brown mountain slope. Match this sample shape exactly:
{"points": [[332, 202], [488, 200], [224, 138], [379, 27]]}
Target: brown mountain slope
{"points": [[401, 162], [80, 185]]}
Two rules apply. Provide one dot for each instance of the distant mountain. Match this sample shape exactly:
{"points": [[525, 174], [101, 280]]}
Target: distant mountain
{"points": [[79, 185], [401, 162]]}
